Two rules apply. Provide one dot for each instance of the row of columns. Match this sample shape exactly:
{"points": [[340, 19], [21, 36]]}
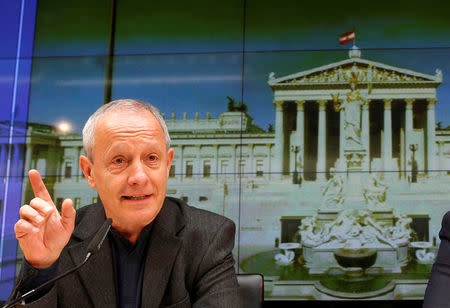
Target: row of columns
{"points": [[365, 133], [431, 134], [31, 162], [215, 163], [13, 157]]}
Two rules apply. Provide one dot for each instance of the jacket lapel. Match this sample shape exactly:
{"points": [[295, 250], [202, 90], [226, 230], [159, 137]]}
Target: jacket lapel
{"points": [[97, 275], [162, 251]]}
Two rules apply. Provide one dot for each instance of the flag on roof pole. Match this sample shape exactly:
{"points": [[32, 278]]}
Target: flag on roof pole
{"points": [[347, 37]]}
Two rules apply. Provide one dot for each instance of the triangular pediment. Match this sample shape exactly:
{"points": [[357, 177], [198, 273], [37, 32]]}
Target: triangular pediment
{"points": [[365, 71]]}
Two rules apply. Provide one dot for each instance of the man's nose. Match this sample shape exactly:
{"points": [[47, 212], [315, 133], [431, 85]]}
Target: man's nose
{"points": [[137, 174]]}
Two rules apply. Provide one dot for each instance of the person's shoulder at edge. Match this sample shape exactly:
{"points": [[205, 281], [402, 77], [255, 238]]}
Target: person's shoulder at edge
{"points": [[445, 230], [436, 294], [443, 256]]}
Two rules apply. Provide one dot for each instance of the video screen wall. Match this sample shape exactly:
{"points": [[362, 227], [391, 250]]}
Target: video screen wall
{"points": [[313, 148]]}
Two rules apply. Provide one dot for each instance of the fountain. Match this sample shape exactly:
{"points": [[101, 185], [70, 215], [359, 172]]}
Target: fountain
{"points": [[354, 229], [338, 235]]}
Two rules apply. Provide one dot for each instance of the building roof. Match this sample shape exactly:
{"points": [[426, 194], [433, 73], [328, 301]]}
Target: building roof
{"points": [[367, 72]]}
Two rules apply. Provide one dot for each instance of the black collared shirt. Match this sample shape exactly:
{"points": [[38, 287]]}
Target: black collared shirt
{"points": [[129, 263]]}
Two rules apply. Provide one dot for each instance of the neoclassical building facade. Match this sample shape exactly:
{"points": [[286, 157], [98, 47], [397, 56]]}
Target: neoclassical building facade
{"points": [[396, 118]]}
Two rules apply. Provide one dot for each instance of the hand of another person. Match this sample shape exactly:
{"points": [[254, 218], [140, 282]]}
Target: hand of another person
{"points": [[41, 231]]}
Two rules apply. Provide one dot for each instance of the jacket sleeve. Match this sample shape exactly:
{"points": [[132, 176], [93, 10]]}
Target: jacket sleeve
{"points": [[216, 284], [437, 294], [47, 299]]}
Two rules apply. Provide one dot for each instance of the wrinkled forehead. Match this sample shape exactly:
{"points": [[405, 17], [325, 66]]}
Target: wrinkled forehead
{"points": [[128, 117], [125, 123]]}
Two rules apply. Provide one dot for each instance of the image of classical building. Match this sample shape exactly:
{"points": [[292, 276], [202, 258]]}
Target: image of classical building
{"points": [[353, 117], [394, 114]]}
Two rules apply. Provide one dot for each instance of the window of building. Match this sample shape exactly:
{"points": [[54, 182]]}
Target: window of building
{"points": [[172, 171], [184, 198], [189, 169], [224, 167], [41, 166], [68, 170], [206, 169], [259, 168], [202, 198], [77, 203], [94, 199], [241, 168], [58, 203]]}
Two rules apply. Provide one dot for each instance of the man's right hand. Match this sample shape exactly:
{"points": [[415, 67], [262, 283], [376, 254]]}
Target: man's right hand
{"points": [[41, 231]]}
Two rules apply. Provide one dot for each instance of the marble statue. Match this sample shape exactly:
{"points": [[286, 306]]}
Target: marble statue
{"points": [[439, 74], [374, 193], [355, 229], [352, 116], [333, 191], [310, 233], [425, 257], [284, 259], [400, 232]]}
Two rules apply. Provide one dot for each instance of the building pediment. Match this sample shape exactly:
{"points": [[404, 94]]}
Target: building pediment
{"points": [[360, 70]]}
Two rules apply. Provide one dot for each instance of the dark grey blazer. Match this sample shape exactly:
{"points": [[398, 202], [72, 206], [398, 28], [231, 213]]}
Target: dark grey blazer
{"points": [[437, 294], [189, 262]]}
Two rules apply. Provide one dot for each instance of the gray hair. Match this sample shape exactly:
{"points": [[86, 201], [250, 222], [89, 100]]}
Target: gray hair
{"points": [[128, 104]]}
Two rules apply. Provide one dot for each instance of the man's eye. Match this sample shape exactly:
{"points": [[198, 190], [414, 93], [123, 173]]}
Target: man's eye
{"points": [[118, 160], [153, 157]]}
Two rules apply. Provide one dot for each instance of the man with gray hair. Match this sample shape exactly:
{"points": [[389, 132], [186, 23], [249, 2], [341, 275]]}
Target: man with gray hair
{"points": [[160, 251]]}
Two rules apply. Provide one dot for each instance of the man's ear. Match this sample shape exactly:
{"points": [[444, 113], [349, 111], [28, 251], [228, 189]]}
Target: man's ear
{"points": [[169, 160], [86, 167]]}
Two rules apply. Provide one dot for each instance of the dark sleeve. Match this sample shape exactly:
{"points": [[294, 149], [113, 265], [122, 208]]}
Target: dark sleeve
{"points": [[438, 291], [31, 278], [216, 284]]}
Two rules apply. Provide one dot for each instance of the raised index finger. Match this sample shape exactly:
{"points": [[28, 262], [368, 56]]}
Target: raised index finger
{"points": [[39, 189]]}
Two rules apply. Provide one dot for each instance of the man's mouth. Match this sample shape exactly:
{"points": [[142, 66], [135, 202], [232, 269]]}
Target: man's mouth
{"points": [[140, 197]]}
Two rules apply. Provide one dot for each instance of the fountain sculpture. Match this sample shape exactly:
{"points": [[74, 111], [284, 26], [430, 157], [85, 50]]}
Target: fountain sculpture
{"points": [[346, 228]]}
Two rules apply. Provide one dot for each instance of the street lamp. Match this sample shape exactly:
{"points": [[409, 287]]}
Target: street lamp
{"points": [[413, 148], [295, 149], [64, 127]]}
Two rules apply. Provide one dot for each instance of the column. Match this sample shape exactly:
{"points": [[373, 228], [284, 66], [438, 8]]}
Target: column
{"points": [[233, 161], [278, 159], [431, 136], [251, 148], [408, 131], [269, 161], [441, 145], [78, 168], [15, 162], [181, 171], [198, 171], [216, 161], [365, 134], [28, 157], [321, 144], [341, 136], [301, 133], [3, 165], [387, 139]]}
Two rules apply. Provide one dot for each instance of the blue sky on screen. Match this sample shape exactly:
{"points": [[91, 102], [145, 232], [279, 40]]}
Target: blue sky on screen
{"points": [[167, 55]]}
